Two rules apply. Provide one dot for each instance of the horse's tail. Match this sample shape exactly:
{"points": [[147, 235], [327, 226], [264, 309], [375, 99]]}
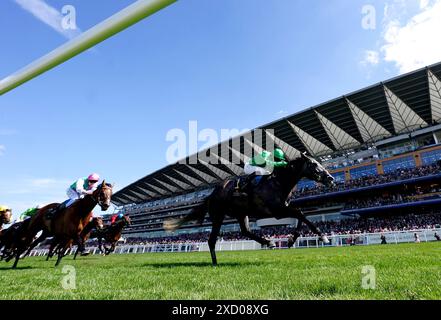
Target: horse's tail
{"points": [[197, 214]]}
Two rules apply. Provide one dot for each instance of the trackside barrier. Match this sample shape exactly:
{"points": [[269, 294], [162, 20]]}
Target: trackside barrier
{"points": [[395, 237]]}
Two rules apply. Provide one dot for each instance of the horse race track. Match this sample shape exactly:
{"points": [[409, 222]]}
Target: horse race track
{"points": [[407, 271]]}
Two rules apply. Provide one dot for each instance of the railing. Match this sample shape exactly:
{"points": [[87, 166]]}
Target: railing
{"points": [[395, 237]]}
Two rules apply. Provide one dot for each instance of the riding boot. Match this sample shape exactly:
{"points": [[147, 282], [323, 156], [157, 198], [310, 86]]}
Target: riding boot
{"points": [[242, 192], [52, 213]]}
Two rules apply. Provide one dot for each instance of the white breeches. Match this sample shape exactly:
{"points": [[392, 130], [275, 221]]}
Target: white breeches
{"points": [[73, 195], [249, 169]]}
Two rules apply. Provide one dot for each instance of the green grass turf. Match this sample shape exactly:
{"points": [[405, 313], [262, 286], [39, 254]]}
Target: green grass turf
{"points": [[406, 271]]}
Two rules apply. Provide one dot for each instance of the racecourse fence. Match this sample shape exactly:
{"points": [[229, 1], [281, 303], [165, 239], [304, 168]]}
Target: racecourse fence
{"points": [[395, 237]]}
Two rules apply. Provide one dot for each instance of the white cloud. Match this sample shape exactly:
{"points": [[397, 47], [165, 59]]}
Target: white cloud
{"points": [[47, 14], [2, 150], [414, 43], [371, 57]]}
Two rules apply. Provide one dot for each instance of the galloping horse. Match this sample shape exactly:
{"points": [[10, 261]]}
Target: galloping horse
{"points": [[111, 234], [65, 225], [267, 200], [95, 223]]}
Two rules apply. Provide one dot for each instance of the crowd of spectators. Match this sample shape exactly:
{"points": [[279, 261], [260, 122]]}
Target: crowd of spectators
{"points": [[420, 194], [168, 203], [366, 181], [350, 226]]}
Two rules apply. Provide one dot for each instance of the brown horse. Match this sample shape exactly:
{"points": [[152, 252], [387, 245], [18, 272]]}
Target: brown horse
{"points": [[65, 225], [95, 223], [269, 199], [111, 234]]}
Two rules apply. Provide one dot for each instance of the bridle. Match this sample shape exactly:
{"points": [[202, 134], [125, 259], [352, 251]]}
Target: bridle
{"points": [[98, 196]]}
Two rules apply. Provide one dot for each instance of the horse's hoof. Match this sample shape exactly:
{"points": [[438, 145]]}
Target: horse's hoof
{"points": [[271, 245]]}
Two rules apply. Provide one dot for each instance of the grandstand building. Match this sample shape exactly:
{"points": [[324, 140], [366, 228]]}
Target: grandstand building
{"points": [[381, 143]]}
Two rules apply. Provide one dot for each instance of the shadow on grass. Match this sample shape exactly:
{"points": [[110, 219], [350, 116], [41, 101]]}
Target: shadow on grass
{"points": [[199, 264], [9, 267]]}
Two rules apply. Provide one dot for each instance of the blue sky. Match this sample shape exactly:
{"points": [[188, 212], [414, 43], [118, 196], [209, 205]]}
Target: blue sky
{"points": [[224, 63]]}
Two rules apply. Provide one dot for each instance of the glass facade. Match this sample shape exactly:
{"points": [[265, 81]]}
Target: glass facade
{"points": [[305, 183], [430, 157], [365, 171], [339, 176], [400, 163]]}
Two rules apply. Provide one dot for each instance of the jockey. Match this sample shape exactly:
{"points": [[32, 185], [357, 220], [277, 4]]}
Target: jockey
{"points": [[29, 213], [261, 165], [81, 187], [6, 214], [4, 209], [116, 217]]}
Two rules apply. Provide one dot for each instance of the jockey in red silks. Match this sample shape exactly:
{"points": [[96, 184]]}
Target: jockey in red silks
{"points": [[116, 217]]}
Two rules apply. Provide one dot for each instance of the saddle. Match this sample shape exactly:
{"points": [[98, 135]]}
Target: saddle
{"points": [[244, 185], [51, 213]]}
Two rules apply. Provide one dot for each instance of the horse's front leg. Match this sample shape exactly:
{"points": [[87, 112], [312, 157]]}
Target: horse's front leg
{"points": [[296, 213], [64, 245], [53, 248], [81, 245]]}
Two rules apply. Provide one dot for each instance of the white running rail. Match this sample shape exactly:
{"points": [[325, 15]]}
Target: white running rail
{"points": [[425, 235]]}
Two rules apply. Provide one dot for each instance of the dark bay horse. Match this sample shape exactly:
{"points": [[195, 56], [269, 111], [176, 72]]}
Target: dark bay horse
{"points": [[111, 234], [65, 225], [267, 200]]}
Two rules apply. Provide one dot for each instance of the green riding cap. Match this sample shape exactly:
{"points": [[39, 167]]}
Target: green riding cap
{"points": [[279, 154], [28, 213]]}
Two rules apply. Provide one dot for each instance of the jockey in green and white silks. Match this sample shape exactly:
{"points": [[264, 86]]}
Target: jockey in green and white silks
{"points": [[264, 163], [81, 187], [261, 165], [29, 213]]}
